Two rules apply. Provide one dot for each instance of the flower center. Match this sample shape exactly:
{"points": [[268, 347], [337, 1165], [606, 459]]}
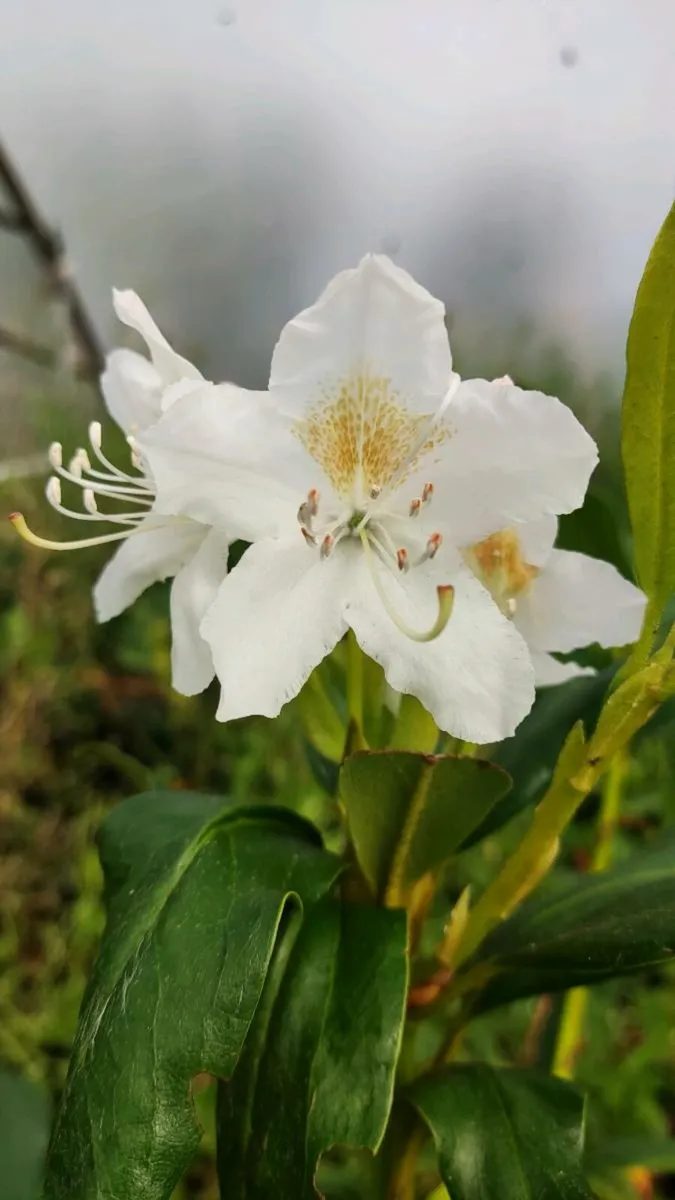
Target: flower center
{"points": [[499, 563], [363, 436], [371, 526]]}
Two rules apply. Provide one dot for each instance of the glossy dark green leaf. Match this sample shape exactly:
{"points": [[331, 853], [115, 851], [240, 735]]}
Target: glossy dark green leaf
{"points": [[515, 1135], [530, 756], [596, 529], [24, 1131], [648, 419], [318, 1068], [413, 807], [195, 894], [594, 928]]}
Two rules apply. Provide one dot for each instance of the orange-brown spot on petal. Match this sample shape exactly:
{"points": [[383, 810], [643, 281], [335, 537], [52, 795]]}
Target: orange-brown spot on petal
{"points": [[499, 563]]}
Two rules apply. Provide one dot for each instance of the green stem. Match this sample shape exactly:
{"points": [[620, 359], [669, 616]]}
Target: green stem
{"points": [[643, 647], [402, 1180], [354, 680], [575, 1006], [579, 769]]}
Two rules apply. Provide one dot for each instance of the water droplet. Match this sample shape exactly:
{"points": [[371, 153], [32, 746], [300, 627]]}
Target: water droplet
{"points": [[569, 56]]}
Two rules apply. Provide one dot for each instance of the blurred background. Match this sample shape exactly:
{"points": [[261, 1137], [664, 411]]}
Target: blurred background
{"points": [[225, 159]]}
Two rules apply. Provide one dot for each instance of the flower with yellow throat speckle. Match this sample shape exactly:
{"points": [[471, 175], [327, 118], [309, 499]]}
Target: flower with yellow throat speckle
{"points": [[358, 483], [560, 600]]}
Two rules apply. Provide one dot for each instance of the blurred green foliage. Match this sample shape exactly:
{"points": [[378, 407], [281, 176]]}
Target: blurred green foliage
{"points": [[87, 717]]}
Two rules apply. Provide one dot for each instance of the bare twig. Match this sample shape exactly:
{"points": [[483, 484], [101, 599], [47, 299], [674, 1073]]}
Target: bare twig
{"points": [[49, 249], [25, 347]]}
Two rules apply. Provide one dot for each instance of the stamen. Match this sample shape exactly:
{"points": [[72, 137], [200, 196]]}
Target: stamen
{"points": [[444, 592], [415, 506], [309, 537], [89, 501], [55, 455], [402, 559], [53, 491], [327, 545], [95, 437], [511, 606], [309, 509], [427, 492], [374, 491], [433, 545], [19, 522]]}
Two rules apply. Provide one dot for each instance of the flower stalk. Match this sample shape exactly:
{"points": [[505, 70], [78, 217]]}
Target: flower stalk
{"points": [[579, 768]]}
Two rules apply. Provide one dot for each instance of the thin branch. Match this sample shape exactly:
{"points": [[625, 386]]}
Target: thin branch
{"points": [[49, 249], [27, 348], [12, 222]]}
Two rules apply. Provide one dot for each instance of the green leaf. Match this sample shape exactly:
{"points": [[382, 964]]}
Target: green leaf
{"points": [[318, 1068], [582, 932], [648, 419], [408, 813], [415, 728], [596, 529], [195, 893], [24, 1131], [510, 1134], [656, 1154]]}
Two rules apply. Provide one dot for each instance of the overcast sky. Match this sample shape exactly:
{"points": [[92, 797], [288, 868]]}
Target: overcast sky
{"points": [[225, 159]]}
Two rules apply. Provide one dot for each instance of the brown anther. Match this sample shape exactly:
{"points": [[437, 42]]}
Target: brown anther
{"points": [[309, 537], [433, 544], [374, 491], [402, 559], [415, 506], [427, 492], [313, 501], [327, 545]]}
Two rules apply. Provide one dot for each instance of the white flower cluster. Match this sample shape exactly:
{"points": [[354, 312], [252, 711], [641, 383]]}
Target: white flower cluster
{"points": [[379, 492]]}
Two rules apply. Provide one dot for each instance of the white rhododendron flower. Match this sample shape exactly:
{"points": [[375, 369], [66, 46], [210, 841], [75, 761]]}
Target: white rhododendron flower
{"points": [[359, 482], [559, 600], [135, 390]]}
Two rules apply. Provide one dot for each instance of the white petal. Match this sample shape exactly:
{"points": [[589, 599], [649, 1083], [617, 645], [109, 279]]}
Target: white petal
{"points": [[155, 552], [132, 389], [475, 679], [223, 456], [578, 600], [537, 539], [375, 320], [192, 593], [172, 367], [510, 456], [276, 616], [548, 671]]}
